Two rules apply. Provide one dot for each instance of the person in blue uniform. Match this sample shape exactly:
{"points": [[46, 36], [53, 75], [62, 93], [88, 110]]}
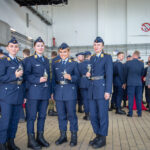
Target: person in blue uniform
{"points": [[65, 75], [37, 74], [84, 82], [99, 92], [129, 57], [134, 71], [80, 59], [11, 95], [118, 82]]}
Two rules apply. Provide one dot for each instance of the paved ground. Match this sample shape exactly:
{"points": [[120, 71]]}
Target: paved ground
{"points": [[124, 133]]}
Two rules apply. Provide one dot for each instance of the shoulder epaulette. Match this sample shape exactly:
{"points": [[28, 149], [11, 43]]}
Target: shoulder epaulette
{"points": [[3, 57], [107, 54], [94, 55], [57, 60], [19, 59]]}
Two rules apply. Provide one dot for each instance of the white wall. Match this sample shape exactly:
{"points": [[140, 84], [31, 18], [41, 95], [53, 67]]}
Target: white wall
{"points": [[79, 22], [15, 16], [75, 23]]}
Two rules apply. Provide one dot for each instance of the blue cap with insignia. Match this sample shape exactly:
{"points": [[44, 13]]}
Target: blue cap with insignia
{"points": [[13, 41], [39, 39], [63, 46], [81, 53], [98, 40], [87, 53], [128, 56]]}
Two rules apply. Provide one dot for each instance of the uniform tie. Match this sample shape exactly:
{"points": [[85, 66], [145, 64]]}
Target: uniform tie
{"points": [[15, 60]]}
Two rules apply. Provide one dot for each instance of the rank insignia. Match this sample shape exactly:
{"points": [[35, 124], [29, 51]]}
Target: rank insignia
{"points": [[35, 56], [102, 55], [8, 59]]}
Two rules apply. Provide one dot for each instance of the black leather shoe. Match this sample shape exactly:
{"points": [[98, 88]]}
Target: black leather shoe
{"points": [[52, 113], [11, 145], [80, 110], [32, 142], [73, 141], [120, 112], [40, 139], [100, 143], [112, 107], [86, 117], [124, 104], [128, 115], [94, 140], [3, 147], [139, 115], [62, 139]]}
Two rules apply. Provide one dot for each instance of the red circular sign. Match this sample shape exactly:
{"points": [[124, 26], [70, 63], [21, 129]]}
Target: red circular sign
{"points": [[145, 27]]}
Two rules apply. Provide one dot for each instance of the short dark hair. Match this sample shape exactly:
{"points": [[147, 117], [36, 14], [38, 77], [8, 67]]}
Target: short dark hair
{"points": [[137, 53], [26, 51], [53, 54], [119, 53]]}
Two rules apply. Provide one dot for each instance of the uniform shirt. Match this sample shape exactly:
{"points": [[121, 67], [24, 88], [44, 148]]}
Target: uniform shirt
{"points": [[34, 70], [10, 92], [68, 91], [101, 66], [134, 71], [118, 73], [82, 67]]}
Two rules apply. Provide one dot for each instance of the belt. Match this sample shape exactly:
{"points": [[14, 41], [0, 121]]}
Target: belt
{"points": [[97, 78], [62, 82], [84, 76], [16, 82]]}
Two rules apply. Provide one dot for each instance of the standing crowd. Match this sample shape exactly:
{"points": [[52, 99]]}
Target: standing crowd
{"points": [[88, 81]]}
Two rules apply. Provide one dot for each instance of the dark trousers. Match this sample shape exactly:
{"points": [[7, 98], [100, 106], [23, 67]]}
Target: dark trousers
{"points": [[35, 107], [99, 116], [137, 92], [10, 115], [84, 94], [147, 94], [67, 111], [119, 95], [114, 96]]}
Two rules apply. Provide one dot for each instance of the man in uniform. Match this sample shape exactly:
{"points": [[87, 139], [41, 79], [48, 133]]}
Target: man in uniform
{"points": [[83, 68], [99, 91], [11, 95], [1, 53], [118, 82], [65, 76], [80, 59], [134, 71], [51, 111]]}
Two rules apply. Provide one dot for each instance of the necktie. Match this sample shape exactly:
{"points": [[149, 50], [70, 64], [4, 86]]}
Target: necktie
{"points": [[15, 60], [63, 62], [42, 58]]}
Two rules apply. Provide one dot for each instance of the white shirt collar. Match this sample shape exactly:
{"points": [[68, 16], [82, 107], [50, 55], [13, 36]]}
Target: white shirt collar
{"points": [[11, 57]]}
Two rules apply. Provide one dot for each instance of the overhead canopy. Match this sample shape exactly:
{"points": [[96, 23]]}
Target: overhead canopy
{"points": [[40, 2]]}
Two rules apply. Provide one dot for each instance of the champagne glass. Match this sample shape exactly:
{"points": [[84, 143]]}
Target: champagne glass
{"points": [[46, 76]]}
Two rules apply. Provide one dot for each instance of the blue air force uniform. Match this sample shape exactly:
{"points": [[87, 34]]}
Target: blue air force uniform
{"points": [[11, 96], [38, 93], [134, 70], [100, 83], [65, 95], [118, 81], [84, 83]]}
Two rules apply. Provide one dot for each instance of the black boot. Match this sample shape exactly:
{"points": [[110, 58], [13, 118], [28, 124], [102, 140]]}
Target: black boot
{"points": [[62, 139], [94, 140], [3, 147], [100, 143], [124, 103], [86, 117], [11, 145], [73, 141], [32, 142], [40, 139], [147, 106], [52, 113], [120, 112], [80, 110]]}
